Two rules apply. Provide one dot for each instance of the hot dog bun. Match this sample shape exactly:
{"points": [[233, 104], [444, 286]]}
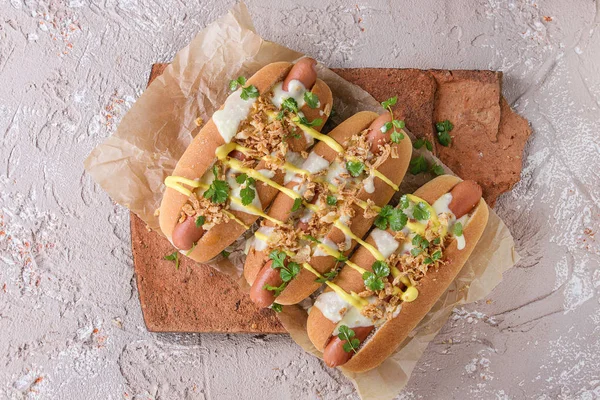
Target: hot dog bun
{"points": [[392, 333], [282, 205], [199, 157], [392, 167]]}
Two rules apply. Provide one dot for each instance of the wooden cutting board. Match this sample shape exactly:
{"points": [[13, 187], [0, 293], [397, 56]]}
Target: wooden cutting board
{"points": [[196, 298]]}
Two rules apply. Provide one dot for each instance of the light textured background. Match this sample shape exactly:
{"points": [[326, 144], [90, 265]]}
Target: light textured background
{"points": [[70, 321]]}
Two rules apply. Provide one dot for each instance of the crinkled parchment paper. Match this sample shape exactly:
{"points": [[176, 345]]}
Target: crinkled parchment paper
{"points": [[131, 166]]}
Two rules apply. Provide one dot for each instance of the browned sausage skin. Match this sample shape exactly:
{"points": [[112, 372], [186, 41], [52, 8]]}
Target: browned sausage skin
{"points": [[267, 276], [186, 234], [376, 136], [335, 355], [304, 71], [465, 197]]}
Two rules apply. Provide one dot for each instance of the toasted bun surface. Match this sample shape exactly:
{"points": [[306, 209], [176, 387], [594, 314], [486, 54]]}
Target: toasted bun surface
{"points": [[199, 156]]}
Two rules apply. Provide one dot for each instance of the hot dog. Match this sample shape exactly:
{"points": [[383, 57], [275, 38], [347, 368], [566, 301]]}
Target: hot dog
{"points": [[206, 205], [313, 240], [380, 296]]}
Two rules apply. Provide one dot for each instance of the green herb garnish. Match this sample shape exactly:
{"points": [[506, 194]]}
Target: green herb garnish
{"points": [[394, 217], [421, 212], [418, 165], [311, 99], [225, 253], [277, 307], [423, 142], [327, 276], [457, 229], [233, 84], [315, 122], [200, 221], [331, 200], [395, 125], [287, 273], [173, 257], [374, 280], [247, 91], [217, 192], [404, 202], [443, 132], [290, 105], [297, 204], [248, 192], [355, 168], [436, 169], [312, 239], [348, 334]]}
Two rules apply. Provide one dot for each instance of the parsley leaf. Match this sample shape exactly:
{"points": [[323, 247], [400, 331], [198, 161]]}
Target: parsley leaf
{"points": [[386, 127], [421, 212], [277, 307], [278, 258], [275, 289], [331, 200], [397, 220], [355, 168], [312, 239], [225, 253], [416, 251], [444, 126], [233, 84], [173, 257], [418, 165], [315, 122], [247, 194], [327, 276], [200, 220], [389, 102], [381, 269], [382, 219], [297, 204], [423, 142], [249, 92], [437, 169], [217, 192], [399, 124], [311, 99], [420, 241], [372, 282], [290, 105], [436, 256], [443, 132], [347, 334], [427, 261], [397, 136], [288, 273], [404, 203], [436, 241], [457, 229], [241, 178]]}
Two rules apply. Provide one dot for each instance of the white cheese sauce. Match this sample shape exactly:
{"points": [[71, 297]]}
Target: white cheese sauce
{"points": [[314, 163], [267, 173], [441, 206], [354, 319], [296, 160], [334, 173], [369, 183], [259, 244], [385, 242], [295, 90], [234, 111], [332, 306], [236, 188], [319, 252]]}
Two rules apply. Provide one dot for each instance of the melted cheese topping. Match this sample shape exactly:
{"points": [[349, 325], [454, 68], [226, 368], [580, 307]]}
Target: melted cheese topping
{"points": [[234, 111]]}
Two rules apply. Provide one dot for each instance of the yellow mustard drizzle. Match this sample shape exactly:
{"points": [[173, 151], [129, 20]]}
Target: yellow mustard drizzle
{"points": [[419, 227], [175, 182], [256, 211], [372, 249]]}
